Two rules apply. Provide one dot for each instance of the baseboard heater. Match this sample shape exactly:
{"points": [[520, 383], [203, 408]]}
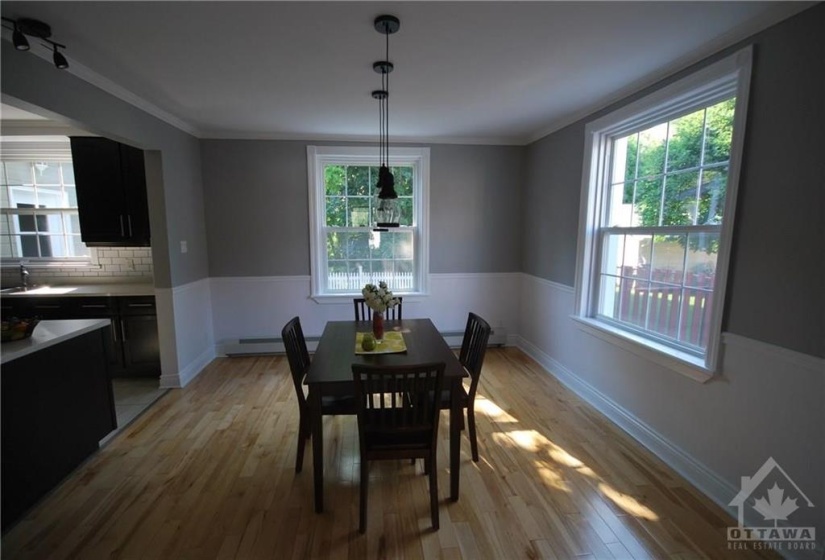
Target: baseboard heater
{"points": [[266, 345]]}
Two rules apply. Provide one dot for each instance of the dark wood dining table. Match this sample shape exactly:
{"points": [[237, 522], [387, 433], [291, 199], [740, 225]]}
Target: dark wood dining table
{"points": [[330, 373]]}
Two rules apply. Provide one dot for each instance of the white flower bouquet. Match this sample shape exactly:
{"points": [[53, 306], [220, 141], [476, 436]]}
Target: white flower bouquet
{"points": [[379, 298]]}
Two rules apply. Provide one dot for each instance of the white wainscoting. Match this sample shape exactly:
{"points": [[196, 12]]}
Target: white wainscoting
{"points": [[190, 346], [766, 402], [258, 307]]}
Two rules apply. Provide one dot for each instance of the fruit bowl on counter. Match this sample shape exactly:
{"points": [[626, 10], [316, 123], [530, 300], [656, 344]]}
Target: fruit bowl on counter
{"points": [[18, 328]]}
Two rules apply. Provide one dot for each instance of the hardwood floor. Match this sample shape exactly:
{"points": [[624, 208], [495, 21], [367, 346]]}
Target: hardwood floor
{"points": [[208, 472]]}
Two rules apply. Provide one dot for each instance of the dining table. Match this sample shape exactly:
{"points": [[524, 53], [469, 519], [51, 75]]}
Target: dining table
{"points": [[330, 374]]}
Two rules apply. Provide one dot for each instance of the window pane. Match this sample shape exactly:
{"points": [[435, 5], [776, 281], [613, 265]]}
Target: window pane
{"points": [[334, 180], [359, 211], [652, 142], [719, 131], [685, 141], [633, 302], [403, 180], [68, 173], [680, 199], [703, 249], [19, 173], [668, 258], [696, 308], [76, 247], [71, 196], [612, 254], [51, 197], [6, 247], [648, 202], [405, 211], [336, 214], [46, 173], [712, 196], [609, 300], [360, 180], [663, 314], [636, 262]]}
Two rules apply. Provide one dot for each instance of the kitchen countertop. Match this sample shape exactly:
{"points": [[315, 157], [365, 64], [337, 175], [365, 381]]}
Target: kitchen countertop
{"points": [[49, 333], [100, 290]]}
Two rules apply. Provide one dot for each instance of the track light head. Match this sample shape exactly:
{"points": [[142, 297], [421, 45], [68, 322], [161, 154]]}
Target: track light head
{"points": [[60, 61], [19, 40], [24, 27]]}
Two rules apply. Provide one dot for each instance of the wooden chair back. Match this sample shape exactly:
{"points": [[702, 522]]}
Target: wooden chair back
{"points": [[364, 313], [297, 355], [397, 408], [473, 348]]}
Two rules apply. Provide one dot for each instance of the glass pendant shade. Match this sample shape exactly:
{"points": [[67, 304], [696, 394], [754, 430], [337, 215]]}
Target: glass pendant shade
{"points": [[386, 201]]}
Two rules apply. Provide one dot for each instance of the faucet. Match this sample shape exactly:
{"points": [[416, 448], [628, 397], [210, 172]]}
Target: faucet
{"points": [[24, 277]]}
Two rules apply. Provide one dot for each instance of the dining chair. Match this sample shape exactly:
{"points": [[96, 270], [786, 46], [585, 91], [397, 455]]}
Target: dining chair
{"points": [[392, 426], [471, 356], [363, 313], [298, 357]]}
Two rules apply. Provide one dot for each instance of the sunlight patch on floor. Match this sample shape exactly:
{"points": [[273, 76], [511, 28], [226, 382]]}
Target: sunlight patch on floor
{"points": [[492, 410], [627, 503]]}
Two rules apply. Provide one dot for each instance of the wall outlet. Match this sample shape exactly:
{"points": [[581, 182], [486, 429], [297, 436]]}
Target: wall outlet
{"points": [[184, 247]]}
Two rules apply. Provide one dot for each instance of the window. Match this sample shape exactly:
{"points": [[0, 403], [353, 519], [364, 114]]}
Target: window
{"points": [[658, 198], [38, 205], [346, 251]]}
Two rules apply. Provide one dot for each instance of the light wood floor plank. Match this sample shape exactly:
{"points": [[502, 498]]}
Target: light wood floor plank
{"points": [[208, 472]]}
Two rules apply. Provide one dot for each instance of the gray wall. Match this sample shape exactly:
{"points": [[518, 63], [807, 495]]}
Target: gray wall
{"points": [[776, 290], [176, 202], [257, 214]]}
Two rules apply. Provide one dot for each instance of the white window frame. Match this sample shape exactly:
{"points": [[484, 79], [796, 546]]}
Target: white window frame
{"points": [[51, 149], [320, 156], [729, 76]]}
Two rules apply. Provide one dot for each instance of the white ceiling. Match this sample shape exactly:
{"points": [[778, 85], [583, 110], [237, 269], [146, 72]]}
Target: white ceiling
{"points": [[476, 72]]}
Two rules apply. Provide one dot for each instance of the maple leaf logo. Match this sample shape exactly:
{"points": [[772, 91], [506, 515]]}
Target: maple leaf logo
{"points": [[776, 507]]}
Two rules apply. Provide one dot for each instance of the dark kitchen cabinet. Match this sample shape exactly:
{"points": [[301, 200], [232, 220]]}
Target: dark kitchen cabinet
{"points": [[139, 342], [57, 404], [111, 193], [133, 348]]}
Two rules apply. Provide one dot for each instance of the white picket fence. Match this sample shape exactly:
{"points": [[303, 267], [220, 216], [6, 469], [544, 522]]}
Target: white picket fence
{"points": [[396, 281]]}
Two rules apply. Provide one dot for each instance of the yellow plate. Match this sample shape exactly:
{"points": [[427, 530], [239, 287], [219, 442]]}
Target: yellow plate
{"points": [[393, 343]]}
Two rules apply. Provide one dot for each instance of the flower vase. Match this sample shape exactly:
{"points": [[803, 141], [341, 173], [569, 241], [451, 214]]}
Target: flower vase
{"points": [[378, 326]]}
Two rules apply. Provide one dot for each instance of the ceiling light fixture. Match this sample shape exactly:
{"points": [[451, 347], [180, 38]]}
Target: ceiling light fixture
{"points": [[34, 28], [386, 202]]}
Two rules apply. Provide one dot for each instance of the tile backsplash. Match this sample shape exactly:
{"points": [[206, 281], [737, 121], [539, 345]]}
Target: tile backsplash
{"points": [[114, 265]]}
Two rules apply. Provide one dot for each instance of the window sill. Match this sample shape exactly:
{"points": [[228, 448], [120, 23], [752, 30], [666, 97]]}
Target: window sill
{"points": [[680, 362]]}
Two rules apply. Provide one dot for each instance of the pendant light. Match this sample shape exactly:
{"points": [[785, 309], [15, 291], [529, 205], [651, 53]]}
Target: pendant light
{"points": [[386, 199]]}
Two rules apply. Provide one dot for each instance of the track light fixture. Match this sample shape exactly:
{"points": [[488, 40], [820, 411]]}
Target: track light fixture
{"points": [[386, 203], [34, 28]]}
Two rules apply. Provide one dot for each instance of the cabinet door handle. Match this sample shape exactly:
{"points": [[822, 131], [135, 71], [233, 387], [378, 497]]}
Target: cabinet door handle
{"points": [[43, 306], [114, 330], [122, 229], [140, 305], [129, 223], [93, 306], [123, 331]]}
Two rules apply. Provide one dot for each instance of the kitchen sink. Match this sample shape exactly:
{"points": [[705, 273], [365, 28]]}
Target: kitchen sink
{"points": [[13, 290]]}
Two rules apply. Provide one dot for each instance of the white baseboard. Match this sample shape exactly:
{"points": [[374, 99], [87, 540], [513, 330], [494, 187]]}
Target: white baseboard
{"points": [[187, 374], [716, 488]]}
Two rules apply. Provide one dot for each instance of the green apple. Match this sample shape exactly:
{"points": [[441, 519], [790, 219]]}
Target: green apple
{"points": [[368, 342]]}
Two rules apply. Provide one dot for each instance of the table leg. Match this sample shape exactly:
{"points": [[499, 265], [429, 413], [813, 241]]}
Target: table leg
{"points": [[317, 446], [455, 439]]}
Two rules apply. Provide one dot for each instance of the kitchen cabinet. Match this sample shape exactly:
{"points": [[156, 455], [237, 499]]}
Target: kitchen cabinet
{"points": [[133, 348], [111, 193], [57, 404]]}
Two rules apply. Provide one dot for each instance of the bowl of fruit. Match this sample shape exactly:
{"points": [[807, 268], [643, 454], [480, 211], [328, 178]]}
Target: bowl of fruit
{"points": [[18, 328]]}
